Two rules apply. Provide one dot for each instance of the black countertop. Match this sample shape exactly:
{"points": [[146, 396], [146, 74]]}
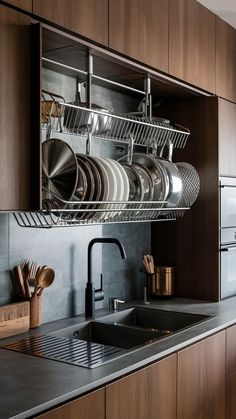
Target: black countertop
{"points": [[31, 385]]}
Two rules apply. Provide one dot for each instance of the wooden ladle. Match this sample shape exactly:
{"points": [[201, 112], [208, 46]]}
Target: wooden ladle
{"points": [[44, 280]]}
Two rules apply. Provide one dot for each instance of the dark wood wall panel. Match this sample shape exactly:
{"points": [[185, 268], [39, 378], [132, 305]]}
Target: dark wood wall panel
{"points": [[15, 106], [191, 243]]}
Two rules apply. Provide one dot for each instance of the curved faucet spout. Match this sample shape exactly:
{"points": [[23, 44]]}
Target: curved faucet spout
{"points": [[92, 295]]}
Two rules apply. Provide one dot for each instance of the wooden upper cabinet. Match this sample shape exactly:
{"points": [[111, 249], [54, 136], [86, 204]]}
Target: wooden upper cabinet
{"points": [[22, 4], [201, 379], [15, 105], [225, 60], [139, 29], [227, 139], [149, 393], [87, 407], [88, 18], [192, 43]]}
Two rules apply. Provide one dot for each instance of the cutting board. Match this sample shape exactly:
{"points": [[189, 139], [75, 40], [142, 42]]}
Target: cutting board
{"points": [[14, 319]]}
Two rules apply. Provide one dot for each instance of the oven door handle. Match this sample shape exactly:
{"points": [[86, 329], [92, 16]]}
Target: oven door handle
{"points": [[228, 249]]}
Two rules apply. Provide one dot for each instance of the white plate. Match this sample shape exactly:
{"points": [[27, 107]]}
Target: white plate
{"points": [[125, 183], [105, 186], [120, 185], [112, 191]]}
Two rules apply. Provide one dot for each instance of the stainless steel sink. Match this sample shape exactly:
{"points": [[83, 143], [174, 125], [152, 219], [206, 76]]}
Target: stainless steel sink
{"points": [[96, 342]]}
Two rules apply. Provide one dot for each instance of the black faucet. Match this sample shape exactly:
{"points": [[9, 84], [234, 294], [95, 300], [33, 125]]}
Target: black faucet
{"points": [[92, 295]]}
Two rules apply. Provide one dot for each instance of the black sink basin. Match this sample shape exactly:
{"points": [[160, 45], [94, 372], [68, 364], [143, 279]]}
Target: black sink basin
{"points": [[154, 319], [116, 335]]}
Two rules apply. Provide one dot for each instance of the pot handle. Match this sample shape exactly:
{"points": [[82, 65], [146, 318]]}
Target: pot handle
{"points": [[170, 150]]}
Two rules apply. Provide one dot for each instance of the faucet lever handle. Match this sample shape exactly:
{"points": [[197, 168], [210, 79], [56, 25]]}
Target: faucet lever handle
{"points": [[114, 303], [99, 293]]}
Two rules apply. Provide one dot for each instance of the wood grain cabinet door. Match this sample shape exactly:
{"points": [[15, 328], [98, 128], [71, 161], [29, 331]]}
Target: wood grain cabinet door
{"points": [[91, 406], [227, 137], [22, 4], [201, 379], [146, 394], [225, 60], [15, 136], [88, 18], [231, 351], [192, 43], [139, 29], [230, 372]]}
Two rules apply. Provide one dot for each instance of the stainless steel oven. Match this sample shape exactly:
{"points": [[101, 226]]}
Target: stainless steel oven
{"points": [[228, 236]]}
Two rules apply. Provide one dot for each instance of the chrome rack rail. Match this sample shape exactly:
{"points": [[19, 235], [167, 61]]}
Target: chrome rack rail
{"points": [[97, 212], [79, 120]]}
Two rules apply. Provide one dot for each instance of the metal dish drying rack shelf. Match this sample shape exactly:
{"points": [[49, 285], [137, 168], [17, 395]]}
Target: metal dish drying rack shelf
{"points": [[110, 212], [77, 120]]}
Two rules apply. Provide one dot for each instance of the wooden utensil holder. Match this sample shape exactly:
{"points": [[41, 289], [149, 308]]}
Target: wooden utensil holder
{"points": [[35, 311]]}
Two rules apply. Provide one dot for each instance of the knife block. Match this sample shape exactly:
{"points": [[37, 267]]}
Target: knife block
{"points": [[35, 311]]}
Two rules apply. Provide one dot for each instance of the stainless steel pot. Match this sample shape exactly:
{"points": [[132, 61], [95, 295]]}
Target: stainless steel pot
{"points": [[82, 121], [172, 178]]}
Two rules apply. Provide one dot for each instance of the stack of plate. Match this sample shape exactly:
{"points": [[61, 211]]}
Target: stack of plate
{"points": [[100, 189]]}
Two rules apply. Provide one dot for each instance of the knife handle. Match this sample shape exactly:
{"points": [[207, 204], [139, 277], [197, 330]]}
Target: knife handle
{"points": [[19, 279]]}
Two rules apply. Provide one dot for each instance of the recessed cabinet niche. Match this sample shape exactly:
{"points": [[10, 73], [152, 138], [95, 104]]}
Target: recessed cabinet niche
{"points": [[88, 18], [15, 135]]}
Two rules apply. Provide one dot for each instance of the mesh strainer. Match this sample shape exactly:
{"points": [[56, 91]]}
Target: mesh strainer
{"points": [[191, 185]]}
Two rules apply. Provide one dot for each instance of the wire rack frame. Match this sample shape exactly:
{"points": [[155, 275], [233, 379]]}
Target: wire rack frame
{"points": [[112, 213], [77, 120]]}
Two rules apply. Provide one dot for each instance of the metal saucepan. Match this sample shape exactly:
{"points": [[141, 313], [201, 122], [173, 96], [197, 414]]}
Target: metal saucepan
{"points": [[82, 121]]}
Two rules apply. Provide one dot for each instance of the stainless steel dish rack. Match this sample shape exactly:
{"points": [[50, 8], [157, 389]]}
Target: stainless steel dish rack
{"points": [[145, 131], [70, 217]]}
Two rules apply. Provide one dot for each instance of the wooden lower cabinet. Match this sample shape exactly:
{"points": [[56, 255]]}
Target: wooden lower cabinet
{"points": [[146, 394], [231, 350], [189, 384], [231, 372], [91, 406], [230, 396], [201, 379]]}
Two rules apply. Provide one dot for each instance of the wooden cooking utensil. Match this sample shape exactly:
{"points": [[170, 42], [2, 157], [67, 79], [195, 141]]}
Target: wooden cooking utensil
{"points": [[46, 278], [38, 273], [19, 279]]}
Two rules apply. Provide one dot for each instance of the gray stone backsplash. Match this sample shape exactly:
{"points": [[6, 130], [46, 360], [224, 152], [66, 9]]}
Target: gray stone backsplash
{"points": [[65, 250]]}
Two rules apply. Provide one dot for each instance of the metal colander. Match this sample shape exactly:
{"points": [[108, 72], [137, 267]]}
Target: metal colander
{"points": [[191, 184]]}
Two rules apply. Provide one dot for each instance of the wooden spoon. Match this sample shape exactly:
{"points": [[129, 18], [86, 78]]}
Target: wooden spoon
{"points": [[38, 273], [46, 278]]}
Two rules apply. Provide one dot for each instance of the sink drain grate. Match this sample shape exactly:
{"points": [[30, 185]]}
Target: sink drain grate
{"points": [[68, 350]]}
